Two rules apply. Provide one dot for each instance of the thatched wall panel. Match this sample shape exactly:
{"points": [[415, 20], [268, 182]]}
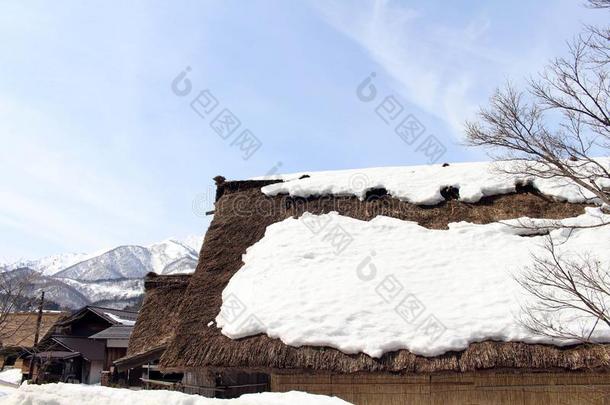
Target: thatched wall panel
{"points": [[18, 329]]}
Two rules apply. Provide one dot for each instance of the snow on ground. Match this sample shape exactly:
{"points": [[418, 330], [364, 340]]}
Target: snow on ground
{"points": [[69, 394], [5, 391], [396, 285], [422, 184], [11, 376]]}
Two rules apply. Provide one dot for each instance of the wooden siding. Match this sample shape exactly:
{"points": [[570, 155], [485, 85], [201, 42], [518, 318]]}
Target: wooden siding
{"points": [[493, 388], [112, 354]]}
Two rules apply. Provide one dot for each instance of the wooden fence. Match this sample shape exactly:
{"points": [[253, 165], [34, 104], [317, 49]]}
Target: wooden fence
{"points": [[495, 388]]}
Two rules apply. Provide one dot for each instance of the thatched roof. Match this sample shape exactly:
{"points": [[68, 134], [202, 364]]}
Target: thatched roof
{"points": [[20, 328], [158, 316], [231, 233]]}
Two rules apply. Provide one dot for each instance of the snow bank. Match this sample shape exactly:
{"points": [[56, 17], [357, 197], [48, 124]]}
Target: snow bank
{"points": [[11, 376], [69, 394], [5, 391], [422, 184], [389, 284]]}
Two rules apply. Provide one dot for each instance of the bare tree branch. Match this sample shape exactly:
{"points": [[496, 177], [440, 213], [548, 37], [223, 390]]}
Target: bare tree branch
{"points": [[568, 291], [598, 3], [16, 295], [573, 93], [557, 129]]}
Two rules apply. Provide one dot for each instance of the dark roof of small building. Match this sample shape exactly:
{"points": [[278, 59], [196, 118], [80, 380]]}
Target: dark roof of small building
{"points": [[114, 332], [54, 354], [90, 349], [118, 313], [136, 360], [110, 315]]}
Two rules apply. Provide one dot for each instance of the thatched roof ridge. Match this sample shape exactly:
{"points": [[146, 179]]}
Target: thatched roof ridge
{"points": [[232, 232], [154, 280], [262, 353], [158, 316]]}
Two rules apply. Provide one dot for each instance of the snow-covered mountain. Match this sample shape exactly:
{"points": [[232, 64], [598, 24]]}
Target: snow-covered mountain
{"points": [[133, 262], [48, 265], [113, 277]]}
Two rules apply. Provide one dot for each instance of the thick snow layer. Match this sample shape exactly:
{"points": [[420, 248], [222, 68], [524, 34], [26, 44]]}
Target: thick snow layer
{"points": [[11, 376], [422, 184], [388, 284], [70, 394]]}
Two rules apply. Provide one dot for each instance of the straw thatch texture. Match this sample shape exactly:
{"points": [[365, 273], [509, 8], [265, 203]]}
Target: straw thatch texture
{"points": [[158, 316], [20, 328], [241, 218]]}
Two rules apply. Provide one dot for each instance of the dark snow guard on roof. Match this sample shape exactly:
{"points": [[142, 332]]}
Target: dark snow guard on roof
{"points": [[231, 232]]}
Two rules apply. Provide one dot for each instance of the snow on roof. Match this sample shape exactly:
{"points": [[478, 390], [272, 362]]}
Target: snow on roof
{"points": [[120, 313], [422, 184], [395, 285], [126, 322]]}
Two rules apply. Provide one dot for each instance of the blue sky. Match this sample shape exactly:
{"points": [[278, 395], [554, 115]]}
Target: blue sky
{"points": [[96, 150]]}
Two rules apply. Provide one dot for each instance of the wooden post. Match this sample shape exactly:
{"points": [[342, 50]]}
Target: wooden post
{"points": [[36, 335]]}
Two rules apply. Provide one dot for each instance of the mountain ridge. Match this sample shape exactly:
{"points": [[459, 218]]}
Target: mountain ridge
{"points": [[113, 276]]}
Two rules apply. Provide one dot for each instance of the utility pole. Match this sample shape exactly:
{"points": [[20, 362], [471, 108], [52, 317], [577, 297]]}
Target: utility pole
{"points": [[39, 319], [36, 334]]}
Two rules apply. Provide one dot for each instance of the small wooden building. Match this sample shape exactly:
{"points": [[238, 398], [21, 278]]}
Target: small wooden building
{"points": [[81, 346], [116, 340], [487, 372]]}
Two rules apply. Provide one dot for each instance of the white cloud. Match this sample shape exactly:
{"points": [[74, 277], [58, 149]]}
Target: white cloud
{"points": [[441, 66]]}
